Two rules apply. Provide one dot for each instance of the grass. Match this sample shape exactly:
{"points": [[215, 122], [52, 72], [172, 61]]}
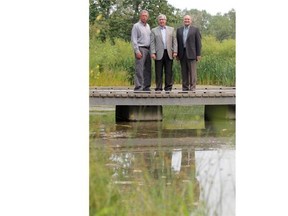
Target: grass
{"points": [[109, 78]]}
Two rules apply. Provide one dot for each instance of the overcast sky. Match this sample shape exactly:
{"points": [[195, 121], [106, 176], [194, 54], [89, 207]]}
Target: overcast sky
{"points": [[211, 6]]}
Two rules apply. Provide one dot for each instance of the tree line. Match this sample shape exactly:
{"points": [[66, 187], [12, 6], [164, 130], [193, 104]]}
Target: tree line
{"points": [[111, 19]]}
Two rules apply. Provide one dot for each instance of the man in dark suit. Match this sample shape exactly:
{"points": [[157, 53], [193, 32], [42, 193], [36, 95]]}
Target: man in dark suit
{"points": [[189, 52], [163, 49]]}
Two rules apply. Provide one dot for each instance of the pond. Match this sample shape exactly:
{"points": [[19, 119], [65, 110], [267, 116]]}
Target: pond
{"points": [[181, 165]]}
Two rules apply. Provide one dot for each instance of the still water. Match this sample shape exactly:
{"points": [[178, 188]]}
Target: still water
{"points": [[182, 147]]}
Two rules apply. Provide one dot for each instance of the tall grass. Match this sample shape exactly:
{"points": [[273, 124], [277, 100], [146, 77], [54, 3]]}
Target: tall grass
{"points": [[218, 64], [113, 64], [110, 64]]}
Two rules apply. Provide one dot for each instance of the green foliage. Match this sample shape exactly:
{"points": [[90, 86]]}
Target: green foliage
{"points": [[103, 197], [92, 12], [231, 15], [118, 17], [99, 29], [201, 19], [156, 7], [114, 19], [100, 7], [219, 27], [110, 62], [176, 68], [217, 66], [122, 20]]}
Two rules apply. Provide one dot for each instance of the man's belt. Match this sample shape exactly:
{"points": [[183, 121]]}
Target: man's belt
{"points": [[145, 47]]}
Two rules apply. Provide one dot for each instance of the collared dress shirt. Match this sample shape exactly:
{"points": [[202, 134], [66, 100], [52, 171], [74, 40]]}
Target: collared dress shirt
{"points": [[163, 33], [140, 35], [185, 32]]}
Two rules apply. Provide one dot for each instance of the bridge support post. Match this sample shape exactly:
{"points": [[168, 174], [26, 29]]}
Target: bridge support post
{"points": [[138, 113], [220, 112]]}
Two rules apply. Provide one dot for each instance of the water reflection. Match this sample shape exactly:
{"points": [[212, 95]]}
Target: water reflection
{"points": [[215, 171], [176, 160], [202, 155]]}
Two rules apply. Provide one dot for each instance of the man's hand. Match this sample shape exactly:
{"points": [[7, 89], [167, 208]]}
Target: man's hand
{"points": [[174, 54], [153, 56], [139, 55]]}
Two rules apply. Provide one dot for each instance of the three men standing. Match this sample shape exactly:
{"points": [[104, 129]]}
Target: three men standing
{"points": [[163, 49], [164, 45]]}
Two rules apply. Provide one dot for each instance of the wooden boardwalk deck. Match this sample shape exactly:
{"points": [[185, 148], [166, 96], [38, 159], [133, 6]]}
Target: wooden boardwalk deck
{"points": [[126, 96]]}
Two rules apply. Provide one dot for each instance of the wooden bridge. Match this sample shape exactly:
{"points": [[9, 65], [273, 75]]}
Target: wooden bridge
{"points": [[132, 105], [202, 96]]}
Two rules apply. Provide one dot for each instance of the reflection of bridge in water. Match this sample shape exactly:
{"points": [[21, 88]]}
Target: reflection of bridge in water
{"points": [[140, 144], [146, 106]]}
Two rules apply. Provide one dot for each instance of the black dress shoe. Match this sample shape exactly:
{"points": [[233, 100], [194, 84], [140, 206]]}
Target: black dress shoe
{"points": [[146, 89], [137, 89]]}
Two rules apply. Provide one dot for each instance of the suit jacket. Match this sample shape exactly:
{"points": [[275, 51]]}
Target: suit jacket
{"points": [[157, 46], [193, 43]]}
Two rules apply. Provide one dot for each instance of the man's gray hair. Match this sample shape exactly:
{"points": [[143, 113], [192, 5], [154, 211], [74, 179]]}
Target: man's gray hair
{"points": [[161, 16], [144, 11]]}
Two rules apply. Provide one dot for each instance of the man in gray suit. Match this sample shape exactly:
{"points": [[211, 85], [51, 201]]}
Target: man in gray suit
{"points": [[140, 38], [163, 49], [189, 52]]}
